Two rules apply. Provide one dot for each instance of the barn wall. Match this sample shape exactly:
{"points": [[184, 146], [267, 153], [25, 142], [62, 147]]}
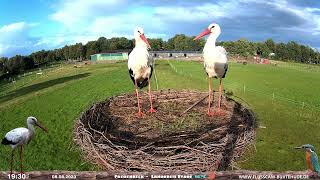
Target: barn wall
{"points": [[109, 57]]}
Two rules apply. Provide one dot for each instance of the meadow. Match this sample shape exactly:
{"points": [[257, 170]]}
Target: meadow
{"points": [[285, 99]]}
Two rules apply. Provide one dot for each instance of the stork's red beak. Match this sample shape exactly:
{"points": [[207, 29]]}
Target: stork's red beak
{"points": [[145, 40], [205, 32], [41, 126]]}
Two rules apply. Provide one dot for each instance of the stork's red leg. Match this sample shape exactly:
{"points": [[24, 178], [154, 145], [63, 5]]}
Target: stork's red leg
{"points": [[210, 94], [21, 160], [11, 164], [220, 112], [220, 93], [150, 98], [140, 114]]}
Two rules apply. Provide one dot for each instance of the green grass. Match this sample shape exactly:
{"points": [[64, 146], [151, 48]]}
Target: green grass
{"points": [[58, 97]]}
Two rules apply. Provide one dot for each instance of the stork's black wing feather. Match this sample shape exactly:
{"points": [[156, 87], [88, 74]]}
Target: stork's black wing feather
{"points": [[5, 141], [151, 72], [131, 75], [142, 83], [225, 70]]}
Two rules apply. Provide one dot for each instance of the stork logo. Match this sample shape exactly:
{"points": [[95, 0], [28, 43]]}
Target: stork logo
{"points": [[211, 175]]}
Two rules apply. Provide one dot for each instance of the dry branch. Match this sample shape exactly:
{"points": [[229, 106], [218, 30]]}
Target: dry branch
{"points": [[193, 105]]}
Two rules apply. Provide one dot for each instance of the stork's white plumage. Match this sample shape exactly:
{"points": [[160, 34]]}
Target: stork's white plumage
{"points": [[21, 136], [140, 65], [215, 61]]}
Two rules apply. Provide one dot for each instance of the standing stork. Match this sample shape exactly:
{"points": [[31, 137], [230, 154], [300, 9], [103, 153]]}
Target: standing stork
{"points": [[21, 136], [140, 65], [215, 61]]}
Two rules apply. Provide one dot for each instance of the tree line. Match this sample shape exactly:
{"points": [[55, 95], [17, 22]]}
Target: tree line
{"points": [[290, 51]]}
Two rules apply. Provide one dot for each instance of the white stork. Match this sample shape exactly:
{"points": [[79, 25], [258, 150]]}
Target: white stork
{"points": [[140, 65], [21, 136], [215, 61]]}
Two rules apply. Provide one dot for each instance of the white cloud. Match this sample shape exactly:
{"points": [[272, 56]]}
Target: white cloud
{"points": [[311, 19], [83, 21], [88, 20], [199, 12], [14, 36], [71, 12], [13, 27]]}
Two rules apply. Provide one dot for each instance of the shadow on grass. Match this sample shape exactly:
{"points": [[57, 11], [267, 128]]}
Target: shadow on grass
{"points": [[40, 86], [234, 131]]}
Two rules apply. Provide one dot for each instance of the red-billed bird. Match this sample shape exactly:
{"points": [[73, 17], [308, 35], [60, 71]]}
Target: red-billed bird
{"points": [[215, 61], [21, 136], [140, 65]]}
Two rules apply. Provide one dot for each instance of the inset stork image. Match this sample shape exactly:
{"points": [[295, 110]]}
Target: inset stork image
{"points": [[21, 136]]}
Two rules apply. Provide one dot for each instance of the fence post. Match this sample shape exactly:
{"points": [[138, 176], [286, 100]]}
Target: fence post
{"points": [[302, 105], [272, 96]]}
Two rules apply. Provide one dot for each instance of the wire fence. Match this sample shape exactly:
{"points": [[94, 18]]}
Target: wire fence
{"points": [[30, 76], [245, 89], [27, 78]]}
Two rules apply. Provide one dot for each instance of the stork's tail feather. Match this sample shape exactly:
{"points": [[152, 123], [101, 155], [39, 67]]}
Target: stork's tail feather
{"points": [[143, 83], [5, 141]]}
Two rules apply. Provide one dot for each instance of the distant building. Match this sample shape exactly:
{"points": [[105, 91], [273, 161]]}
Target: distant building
{"points": [[176, 54], [109, 56], [272, 54], [155, 54]]}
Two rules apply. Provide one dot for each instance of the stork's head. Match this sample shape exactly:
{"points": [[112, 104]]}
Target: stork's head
{"points": [[139, 37], [213, 29], [33, 121], [306, 147]]}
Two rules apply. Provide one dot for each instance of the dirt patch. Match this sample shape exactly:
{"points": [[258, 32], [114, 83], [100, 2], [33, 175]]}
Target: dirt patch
{"points": [[112, 136]]}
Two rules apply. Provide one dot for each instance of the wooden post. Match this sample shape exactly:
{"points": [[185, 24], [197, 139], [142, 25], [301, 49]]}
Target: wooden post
{"points": [[272, 96]]}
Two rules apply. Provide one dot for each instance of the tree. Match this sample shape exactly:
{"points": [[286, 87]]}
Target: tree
{"points": [[244, 47], [282, 52], [51, 57], [92, 48], [102, 44], [169, 45], [39, 57], [3, 69], [271, 45], [262, 50], [65, 51], [156, 44]]}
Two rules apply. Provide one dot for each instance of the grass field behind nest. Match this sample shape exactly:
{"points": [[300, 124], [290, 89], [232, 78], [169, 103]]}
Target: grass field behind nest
{"points": [[284, 97]]}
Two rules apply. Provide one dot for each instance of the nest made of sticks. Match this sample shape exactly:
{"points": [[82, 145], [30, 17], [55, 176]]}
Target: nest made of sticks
{"points": [[113, 137]]}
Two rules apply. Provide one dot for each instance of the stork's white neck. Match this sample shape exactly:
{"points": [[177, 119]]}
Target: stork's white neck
{"points": [[140, 43], [211, 42], [31, 128]]}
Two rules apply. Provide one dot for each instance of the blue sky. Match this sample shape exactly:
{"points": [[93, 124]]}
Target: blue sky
{"points": [[27, 26]]}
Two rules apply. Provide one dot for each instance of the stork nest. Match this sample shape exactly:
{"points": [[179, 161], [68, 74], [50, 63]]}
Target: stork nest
{"points": [[113, 137]]}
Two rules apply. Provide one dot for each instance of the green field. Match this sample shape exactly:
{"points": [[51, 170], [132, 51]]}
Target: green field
{"points": [[284, 97]]}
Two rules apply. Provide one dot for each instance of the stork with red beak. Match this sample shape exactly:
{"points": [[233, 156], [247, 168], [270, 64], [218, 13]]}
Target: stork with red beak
{"points": [[21, 136], [140, 65], [215, 62]]}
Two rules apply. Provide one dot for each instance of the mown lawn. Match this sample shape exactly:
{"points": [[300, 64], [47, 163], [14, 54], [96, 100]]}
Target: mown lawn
{"points": [[285, 99]]}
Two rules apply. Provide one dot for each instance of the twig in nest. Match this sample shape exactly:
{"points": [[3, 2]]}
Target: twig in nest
{"points": [[193, 105]]}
